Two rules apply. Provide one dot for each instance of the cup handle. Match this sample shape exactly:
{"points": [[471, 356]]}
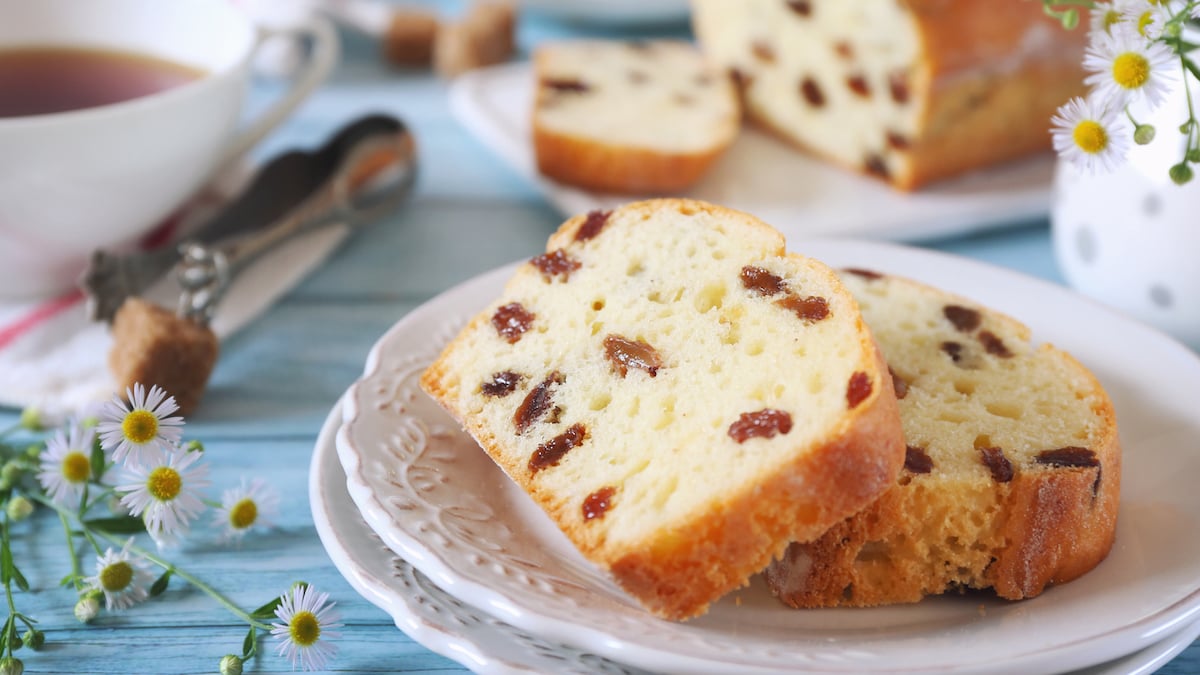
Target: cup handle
{"points": [[321, 59]]}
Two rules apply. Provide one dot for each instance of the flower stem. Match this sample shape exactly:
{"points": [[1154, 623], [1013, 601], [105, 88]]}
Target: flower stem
{"points": [[76, 570], [194, 581], [166, 565], [6, 556]]}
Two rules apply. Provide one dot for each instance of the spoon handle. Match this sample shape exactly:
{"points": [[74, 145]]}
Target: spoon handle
{"points": [[375, 174]]}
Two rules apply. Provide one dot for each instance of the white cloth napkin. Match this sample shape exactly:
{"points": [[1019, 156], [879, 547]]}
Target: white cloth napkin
{"points": [[54, 359]]}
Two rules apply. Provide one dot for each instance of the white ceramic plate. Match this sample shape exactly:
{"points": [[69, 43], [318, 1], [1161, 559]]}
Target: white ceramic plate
{"points": [[439, 502], [612, 12], [763, 175], [442, 623]]}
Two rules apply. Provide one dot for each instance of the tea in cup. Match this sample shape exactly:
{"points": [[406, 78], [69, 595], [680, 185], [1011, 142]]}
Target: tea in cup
{"points": [[112, 114]]}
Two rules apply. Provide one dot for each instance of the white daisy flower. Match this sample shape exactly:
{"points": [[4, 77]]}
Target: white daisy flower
{"points": [[243, 507], [1127, 67], [1105, 15], [307, 621], [122, 578], [164, 494], [141, 428], [1090, 136], [1148, 18], [66, 465]]}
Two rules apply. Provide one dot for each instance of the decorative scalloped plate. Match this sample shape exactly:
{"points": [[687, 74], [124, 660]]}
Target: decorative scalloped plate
{"points": [[442, 623], [439, 502]]}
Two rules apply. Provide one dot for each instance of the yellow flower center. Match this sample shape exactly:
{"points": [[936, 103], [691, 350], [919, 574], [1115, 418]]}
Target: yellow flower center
{"points": [[1143, 21], [164, 483], [115, 577], [1131, 70], [76, 467], [243, 514], [304, 628], [1111, 18], [1090, 136], [140, 426]]}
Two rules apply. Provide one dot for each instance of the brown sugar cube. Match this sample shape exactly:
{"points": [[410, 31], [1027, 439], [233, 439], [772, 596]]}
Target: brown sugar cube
{"points": [[154, 347], [408, 40], [484, 37]]}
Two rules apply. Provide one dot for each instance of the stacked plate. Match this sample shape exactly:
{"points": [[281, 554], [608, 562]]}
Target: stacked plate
{"points": [[424, 525]]}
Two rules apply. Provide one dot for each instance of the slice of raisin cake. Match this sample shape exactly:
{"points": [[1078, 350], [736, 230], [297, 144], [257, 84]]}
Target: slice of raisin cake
{"points": [[630, 117], [1013, 466], [679, 394], [908, 90]]}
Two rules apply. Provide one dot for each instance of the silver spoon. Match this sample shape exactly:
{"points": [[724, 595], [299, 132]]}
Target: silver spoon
{"points": [[289, 192]]}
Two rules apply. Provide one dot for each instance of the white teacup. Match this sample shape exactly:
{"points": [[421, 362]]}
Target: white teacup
{"points": [[101, 177]]}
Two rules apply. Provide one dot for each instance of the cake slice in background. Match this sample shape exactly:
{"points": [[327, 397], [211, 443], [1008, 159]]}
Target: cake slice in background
{"points": [[911, 91], [630, 117]]}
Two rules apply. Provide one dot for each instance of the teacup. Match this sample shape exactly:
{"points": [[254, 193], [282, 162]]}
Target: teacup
{"points": [[104, 176]]}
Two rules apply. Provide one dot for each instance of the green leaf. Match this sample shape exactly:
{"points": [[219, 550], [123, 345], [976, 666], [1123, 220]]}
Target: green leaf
{"points": [[267, 611], [117, 524], [250, 644], [97, 461], [160, 584], [6, 563], [68, 580], [20, 579]]}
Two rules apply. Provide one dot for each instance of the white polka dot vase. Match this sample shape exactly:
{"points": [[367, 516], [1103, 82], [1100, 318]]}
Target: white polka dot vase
{"points": [[1131, 238]]}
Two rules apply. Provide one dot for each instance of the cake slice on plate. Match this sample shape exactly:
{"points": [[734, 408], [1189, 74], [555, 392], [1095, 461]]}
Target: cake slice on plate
{"points": [[1012, 472], [680, 395]]}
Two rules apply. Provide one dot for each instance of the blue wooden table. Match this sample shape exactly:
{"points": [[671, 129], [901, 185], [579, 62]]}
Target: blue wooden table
{"points": [[278, 379]]}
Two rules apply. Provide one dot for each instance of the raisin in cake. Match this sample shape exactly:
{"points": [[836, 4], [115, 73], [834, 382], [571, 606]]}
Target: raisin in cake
{"points": [[631, 117], [679, 394], [1012, 473], [907, 90]]}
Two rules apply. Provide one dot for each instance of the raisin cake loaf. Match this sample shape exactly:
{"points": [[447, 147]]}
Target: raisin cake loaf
{"points": [[679, 394], [908, 90], [1012, 473], [630, 117]]}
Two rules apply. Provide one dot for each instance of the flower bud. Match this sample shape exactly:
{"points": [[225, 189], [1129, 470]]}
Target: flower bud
{"points": [[11, 666], [194, 446], [1070, 19], [1143, 134], [10, 474], [231, 665], [1181, 173], [1193, 156], [31, 419], [86, 609], [34, 639], [19, 508]]}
